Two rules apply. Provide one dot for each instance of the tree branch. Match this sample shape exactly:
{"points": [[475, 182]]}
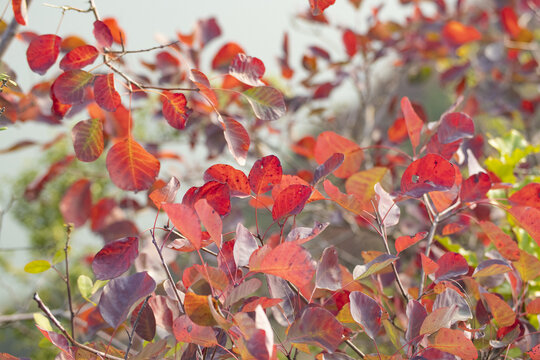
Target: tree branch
{"points": [[9, 34]]}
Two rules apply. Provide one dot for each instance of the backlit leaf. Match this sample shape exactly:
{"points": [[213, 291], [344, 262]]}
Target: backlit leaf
{"points": [[328, 275], [103, 34], [267, 103], [316, 326], [428, 265], [198, 309], [507, 247], [529, 195], [404, 242], [225, 55], [439, 318], [528, 266], [366, 312], [455, 342], [475, 187], [329, 143], [455, 126], [510, 21], [265, 173], [387, 209], [302, 235], [37, 266], [186, 221], [216, 193], [69, 87], [115, 258], [187, 331], [105, 93], [76, 203], [288, 261], [247, 69], [377, 264], [429, 173], [291, 201], [118, 35], [451, 265], [201, 82], [534, 353], [175, 109], [120, 294], [43, 52], [362, 185], [529, 219], [210, 219], [237, 139], [318, 6], [166, 193], [130, 166], [235, 179], [57, 340], [413, 122], [79, 57], [348, 202], [20, 11], [87, 138], [244, 245], [501, 311], [491, 267], [533, 308]]}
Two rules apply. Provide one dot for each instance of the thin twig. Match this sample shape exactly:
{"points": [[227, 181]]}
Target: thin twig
{"points": [[157, 47], [68, 286], [9, 33], [431, 235], [66, 8], [55, 321], [135, 325]]}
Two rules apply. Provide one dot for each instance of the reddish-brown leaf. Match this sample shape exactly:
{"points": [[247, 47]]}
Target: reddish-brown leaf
{"points": [[329, 143], [451, 265], [529, 195], [103, 34], [69, 87], [529, 219], [226, 174], [501, 311], [130, 166], [225, 55], [291, 201], [455, 126], [20, 11], [475, 187], [105, 94], [413, 121], [115, 258], [87, 136], [186, 221], [34, 189], [201, 82], [510, 22], [187, 331], [328, 275], [404, 242], [316, 326], [429, 173], [247, 69], [445, 150], [43, 52], [318, 6], [76, 203], [366, 312], [265, 173], [166, 193], [79, 57], [533, 308], [428, 265], [237, 139], [198, 309], [455, 342], [175, 109], [457, 33], [210, 219], [289, 261], [507, 247], [146, 321], [328, 167]]}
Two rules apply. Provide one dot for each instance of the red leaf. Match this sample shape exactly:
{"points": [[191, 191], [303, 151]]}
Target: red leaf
{"points": [[43, 52], [57, 340], [76, 203], [398, 131], [329, 143], [34, 189], [291, 201], [115, 258], [455, 342], [529, 219], [130, 166], [429, 173], [413, 122], [451, 265], [457, 33], [225, 55], [475, 187], [366, 312], [445, 150], [87, 138], [247, 69], [165, 193], [210, 219], [349, 40], [19, 11], [175, 109], [455, 126], [103, 34], [509, 21], [146, 321], [118, 35], [289, 261], [316, 326], [328, 275], [267, 103], [529, 195], [69, 87], [404, 242], [120, 294], [534, 353], [318, 6], [237, 139], [105, 94], [79, 57], [216, 193], [186, 221], [226, 174], [507, 247], [201, 82], [187, 331], [428, 265], [265, 173]]}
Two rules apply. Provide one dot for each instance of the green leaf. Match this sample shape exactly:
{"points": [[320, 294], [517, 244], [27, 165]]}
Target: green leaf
{"points": [[37, 266], [3, 128], [267, 103], [59, 256], [85, 285], [42, 321]]}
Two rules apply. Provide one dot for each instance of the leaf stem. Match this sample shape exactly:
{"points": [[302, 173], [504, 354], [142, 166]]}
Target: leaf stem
{"points": [[135, 325]]}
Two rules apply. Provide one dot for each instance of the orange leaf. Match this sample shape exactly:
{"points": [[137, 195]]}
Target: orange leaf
{"points": [[361, 185], [105, 94], [187, 331], [413, 122], [329, 143], [79, 57], [458, 34], [501, 311], [186, 221], [175, 109], [87, 138], [529, 219], [19, 10], [455, 343], [428, 265], [404, 242], [502, 241], [210, 219]]}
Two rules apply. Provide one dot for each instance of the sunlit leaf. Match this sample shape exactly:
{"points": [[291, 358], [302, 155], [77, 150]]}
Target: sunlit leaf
{"points": [[528, 266], [457, 33], [103, 34], [491, 267], [20, 11], [225, 55], [362, 185], [105, 93], [428, 265], [529, 219], [37, 266], [43, 52], [377, 264], [210, 219], [235, 179], [175, 109], [237, 139], [529, 195], [316, 326], [69, 87], [455, 126], [185, 330], [79, 57], [198, 309], [501, 311], [387, 209], [451, 265], [264, 174], [404, 242], [475, 187], [267, 103], [413, 122], [291, 201], [348, 202], [507, 247], [130, 166], [455, 342], [186, 221], [318, 6], [247, 69], [88, 140], [429, 173], [76, 203], [166, 193], [115, 258], [329, 143]]}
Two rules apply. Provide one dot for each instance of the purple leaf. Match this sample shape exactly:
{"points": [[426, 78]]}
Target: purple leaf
{"points": [[451, 265], [328, 275], [316, 326], [115, 258], [247, 69], [304, 234], [416, 312], [379, 263], [119, 295], [326, 168], [387, 209], [244, 245], [366, 312], [146, 325], [455, 126]]}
